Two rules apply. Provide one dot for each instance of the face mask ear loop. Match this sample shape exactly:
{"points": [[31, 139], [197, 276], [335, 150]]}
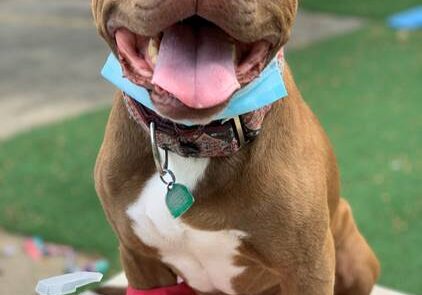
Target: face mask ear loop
{"points": [[280, 61], [239, 130]]}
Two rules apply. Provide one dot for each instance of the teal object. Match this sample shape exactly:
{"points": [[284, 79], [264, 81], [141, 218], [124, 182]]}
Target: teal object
{"points": [[266, 89], [39, 243], [102, 266], [179, 200]]}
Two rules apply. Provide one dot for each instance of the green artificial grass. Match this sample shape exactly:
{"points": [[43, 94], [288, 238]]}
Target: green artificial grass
{"points": [[366, 89], [365, 8], [47, 186]]}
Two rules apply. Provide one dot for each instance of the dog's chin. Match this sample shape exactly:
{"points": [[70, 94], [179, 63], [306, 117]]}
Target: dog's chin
{"points": [[191, 69]]}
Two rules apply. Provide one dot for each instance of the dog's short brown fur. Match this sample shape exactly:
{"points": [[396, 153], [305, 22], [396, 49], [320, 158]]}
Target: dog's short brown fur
{"points": [[284, 186]]}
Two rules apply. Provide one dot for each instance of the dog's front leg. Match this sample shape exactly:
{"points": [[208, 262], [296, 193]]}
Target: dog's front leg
{"points": [[315, 276], [145, 273]]}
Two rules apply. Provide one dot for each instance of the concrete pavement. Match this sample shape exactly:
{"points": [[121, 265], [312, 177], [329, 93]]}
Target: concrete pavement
{"points": [[50, 58], [19, 273]]}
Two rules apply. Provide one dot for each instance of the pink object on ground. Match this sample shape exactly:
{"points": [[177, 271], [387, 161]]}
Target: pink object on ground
{"points": [[181, 289], [32, 250], [196, 66]]}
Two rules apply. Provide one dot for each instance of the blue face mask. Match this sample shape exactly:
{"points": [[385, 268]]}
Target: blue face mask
{"points": [[266, 89]]}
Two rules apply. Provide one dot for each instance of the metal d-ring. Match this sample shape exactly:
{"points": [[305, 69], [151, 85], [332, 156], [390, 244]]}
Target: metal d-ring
{"points": [[161, 168], [171, 182], [156, 152]]}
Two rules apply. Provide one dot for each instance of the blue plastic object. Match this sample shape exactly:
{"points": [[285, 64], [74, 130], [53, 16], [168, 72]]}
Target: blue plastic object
{"points": [[407, 20]]}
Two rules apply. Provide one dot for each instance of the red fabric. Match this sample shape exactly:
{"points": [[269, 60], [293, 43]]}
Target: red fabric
{"points": [[181, 289]]}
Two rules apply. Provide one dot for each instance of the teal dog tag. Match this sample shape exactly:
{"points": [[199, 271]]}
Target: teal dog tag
{"points": [[179, 200]]}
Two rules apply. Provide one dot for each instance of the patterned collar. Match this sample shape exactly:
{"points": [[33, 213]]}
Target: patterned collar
{"points": [[220, 138]]}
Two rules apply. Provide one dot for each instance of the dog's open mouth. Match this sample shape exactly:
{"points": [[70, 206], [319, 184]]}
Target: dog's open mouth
{"points": [[192, 63]]}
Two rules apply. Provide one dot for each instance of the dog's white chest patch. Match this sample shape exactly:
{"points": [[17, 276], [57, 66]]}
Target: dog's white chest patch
{"points": [[205, 258]]}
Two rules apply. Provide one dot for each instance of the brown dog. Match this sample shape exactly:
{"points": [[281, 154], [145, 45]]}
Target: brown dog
{"points": [[267, 219]]}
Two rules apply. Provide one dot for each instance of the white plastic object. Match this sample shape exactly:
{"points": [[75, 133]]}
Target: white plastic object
{"points": [[67, 284]]}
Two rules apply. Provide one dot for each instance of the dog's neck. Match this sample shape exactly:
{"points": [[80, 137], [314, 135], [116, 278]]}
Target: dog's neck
{"points": [[218, 139]]}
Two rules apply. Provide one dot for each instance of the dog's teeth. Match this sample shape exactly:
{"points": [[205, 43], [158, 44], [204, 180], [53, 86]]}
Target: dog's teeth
{"points": [[153, 50]]}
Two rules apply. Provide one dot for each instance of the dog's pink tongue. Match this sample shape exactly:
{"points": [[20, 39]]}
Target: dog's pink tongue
{"points": [[196, 66]]}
